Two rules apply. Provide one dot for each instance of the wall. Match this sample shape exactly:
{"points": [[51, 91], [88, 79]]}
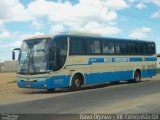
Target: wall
{"points": [[8, 66], [1, 64]]}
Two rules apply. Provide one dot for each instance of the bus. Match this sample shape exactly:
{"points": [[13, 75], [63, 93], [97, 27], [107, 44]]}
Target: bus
{"points": [[158, 61], [71, 60]]}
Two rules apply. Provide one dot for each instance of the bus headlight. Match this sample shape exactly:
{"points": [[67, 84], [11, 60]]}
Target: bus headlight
{"points": [[41, 79]]}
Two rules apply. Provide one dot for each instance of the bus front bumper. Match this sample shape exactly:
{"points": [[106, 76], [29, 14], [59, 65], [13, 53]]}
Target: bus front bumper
{"points": [[32, 84], [44, 82]]}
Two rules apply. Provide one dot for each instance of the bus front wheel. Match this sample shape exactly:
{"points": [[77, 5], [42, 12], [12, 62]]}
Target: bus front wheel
{"points": [[76, 83], [51, 90]]}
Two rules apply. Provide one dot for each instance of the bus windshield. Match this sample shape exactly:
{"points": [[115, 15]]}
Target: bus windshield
{"points": [[33, 56]]}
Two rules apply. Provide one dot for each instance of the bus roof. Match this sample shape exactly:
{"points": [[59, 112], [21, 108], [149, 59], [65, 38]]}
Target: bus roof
{"points": [[98, 36], [83, 34], [63, 33], [40, 36]]}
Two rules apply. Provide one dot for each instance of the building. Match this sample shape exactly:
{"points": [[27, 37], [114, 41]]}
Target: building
{"points": [[158, 60], [1, 65]]}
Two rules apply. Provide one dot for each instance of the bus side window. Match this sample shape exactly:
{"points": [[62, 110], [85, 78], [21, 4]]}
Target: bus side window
{"points": [[107, 47], [151, 48], [97, 48], [77, 46], [93, 47], [121, 47], [132, 48], [143, 49], [89, 46], [62, 50], [58, 53]]}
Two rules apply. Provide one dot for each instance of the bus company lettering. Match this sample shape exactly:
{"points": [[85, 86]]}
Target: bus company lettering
{"points": [[93, 60], [121, 59], [109, 60], [59, 81]]}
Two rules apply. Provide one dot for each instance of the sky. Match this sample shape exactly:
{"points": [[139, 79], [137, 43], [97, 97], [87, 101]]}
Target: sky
{"points": [[133, 19]]}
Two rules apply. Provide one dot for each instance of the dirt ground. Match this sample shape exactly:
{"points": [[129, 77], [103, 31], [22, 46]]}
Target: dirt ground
{"points": [[10, 93]]}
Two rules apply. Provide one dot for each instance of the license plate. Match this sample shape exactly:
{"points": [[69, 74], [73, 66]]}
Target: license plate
{"points": [[29, 85]]}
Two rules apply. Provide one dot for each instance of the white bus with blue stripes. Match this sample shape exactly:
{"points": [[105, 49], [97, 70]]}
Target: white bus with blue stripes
{"points": [[71, 60]]}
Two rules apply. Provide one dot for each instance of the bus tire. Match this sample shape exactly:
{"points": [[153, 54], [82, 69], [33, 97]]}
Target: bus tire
{"points": [[51, 90], [76, 82], [115, 82], [137, 76]]}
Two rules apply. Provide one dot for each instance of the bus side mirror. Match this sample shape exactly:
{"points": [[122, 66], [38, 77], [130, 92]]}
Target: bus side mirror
{"points": [[13, 55]]}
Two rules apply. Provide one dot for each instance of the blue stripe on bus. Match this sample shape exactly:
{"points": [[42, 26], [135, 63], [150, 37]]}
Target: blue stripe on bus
{"points": [[116, 76], [110, 60], [135, 59], [58, 81], [108, 77], [95, 60], [151, 59]]}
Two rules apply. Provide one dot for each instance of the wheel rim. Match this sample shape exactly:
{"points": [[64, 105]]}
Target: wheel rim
{"points": [[77, 83], [137, 77]]}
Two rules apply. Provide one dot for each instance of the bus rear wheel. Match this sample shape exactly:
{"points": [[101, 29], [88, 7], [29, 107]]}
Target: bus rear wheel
{"points": [[115, 82], [76, 83], [137, 76]]}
